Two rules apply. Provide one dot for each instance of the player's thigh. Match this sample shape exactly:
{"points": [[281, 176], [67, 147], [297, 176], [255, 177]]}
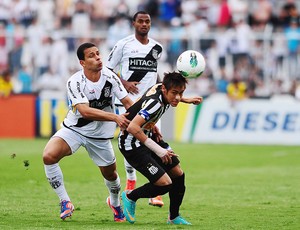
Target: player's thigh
{"points": [[63, 143], [168, 167], [101, 152], [141, 159]]}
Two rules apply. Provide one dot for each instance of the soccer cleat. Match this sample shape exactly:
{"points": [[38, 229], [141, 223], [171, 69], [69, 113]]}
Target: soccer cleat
{"points": [[130, 185], [129, 207], [118, 212], [178, 221], [66, 209], [156, 201]]}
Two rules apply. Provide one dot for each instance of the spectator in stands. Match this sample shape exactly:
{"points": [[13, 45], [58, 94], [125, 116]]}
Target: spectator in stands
{"points": [[168, 10], [292, 34], [176, 43], [50, 86], [81, 21], [6, 85], [296, 89], [225, 17], [118, 30], [25, 80], [288, 12], [261, 14], [222, 82], [3, 49], [236, 90]]}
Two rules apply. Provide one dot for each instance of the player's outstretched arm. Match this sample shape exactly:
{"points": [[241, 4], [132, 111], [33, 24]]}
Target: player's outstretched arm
{"points": [[196, 100], [100, 115]]}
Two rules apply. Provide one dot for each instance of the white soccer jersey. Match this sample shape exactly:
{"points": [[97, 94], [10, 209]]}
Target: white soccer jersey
{"points": [[137, 62], [99, 95]]}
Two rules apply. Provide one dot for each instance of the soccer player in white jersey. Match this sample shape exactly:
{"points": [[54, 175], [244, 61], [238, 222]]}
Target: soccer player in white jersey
{"points": [[135, 59], [90, 123], [146, 154]]}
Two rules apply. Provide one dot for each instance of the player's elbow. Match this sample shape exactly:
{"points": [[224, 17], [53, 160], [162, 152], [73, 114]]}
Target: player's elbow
{"points": [[85, 114], [130, 129]]}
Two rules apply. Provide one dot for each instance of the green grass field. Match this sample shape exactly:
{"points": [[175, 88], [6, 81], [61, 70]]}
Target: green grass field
{"points": [[228, 187]]}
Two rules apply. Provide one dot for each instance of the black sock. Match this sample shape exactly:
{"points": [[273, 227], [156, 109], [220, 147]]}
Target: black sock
{"points": [[176, 195], [148, 190]]}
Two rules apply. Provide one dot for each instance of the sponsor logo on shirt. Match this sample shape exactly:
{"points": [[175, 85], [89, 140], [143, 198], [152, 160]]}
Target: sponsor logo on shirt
{"points": [[141, 64]]}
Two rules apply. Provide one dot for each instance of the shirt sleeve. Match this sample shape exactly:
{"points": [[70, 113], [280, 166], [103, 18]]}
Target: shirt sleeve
{"points": [[149, 109], [75, 92], [115, 56], [119, 90]]}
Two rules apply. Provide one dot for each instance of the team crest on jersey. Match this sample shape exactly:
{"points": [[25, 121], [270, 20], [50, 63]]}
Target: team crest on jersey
{"points": [[106, 91], [155, 54]]}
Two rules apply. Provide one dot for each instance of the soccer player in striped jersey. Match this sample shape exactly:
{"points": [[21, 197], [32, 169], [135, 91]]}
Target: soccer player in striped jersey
{"points": [[148, 154], [90, 123]]}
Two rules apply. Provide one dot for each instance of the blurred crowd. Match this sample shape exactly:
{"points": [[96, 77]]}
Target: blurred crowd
{"points": [[251, 46]]}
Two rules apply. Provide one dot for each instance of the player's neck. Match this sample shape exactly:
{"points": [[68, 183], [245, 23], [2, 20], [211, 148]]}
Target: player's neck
{"points": [[92, 76], [142, 39]]}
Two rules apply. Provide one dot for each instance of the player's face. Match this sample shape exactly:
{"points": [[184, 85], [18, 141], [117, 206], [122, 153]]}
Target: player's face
{"points": [[92, 59], [173, 95], [142, 24]]}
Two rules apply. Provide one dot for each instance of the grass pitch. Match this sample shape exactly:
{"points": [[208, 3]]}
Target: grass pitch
{"points": [[228, 187]]}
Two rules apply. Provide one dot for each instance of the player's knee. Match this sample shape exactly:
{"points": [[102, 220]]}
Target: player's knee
{"points": [[161, 190], [110, 175], [176, 171], [48, 158], [163, 181]]}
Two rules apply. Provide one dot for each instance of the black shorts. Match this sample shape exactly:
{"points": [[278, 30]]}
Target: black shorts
{"points": [[148, 163]]}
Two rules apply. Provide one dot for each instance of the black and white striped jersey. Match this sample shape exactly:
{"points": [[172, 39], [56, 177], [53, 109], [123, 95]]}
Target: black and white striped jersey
{"points": [[99, 95], [136, 62], [151, 106]]}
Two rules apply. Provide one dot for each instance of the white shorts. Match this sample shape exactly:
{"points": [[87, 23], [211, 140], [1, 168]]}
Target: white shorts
{"points": [[100, 151]]}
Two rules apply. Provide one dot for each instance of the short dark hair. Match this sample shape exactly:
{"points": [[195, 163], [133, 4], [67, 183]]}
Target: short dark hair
{"points": [[174, 79], [82, 48], [137, 13]]}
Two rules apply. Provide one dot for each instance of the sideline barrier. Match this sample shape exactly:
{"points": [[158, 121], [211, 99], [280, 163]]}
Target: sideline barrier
{"points": [[49, 115], [17, 116], [251, 121]]}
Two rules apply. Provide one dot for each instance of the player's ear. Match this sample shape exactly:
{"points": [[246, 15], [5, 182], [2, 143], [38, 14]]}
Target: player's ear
{"points": [[82, 63], [163, 89]]}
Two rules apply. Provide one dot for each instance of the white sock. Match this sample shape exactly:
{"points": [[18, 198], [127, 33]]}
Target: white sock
{"points": [[55, 179], [130, 171], [114, 188]]}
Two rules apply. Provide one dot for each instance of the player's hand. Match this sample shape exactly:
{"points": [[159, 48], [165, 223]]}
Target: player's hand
{"points": [[167, 158], [131, 86], [156, 134], [196, 100], [122, 121]]}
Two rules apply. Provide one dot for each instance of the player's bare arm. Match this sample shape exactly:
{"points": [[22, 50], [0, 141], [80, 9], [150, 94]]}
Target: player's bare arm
{"points": [[127, 102], [135, 129], [196, 100], [100, 115], [156, 132]]}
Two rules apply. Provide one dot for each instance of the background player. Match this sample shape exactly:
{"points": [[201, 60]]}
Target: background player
{"points": [[135, 58]]}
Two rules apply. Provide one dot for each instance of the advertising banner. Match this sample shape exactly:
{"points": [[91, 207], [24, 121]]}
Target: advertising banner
{"points": [[250, 121]]}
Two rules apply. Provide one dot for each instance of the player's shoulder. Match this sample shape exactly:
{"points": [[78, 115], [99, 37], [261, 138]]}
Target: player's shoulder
{"points": [[128, 39], [77, 76], [109, 74], [153, 41]]}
